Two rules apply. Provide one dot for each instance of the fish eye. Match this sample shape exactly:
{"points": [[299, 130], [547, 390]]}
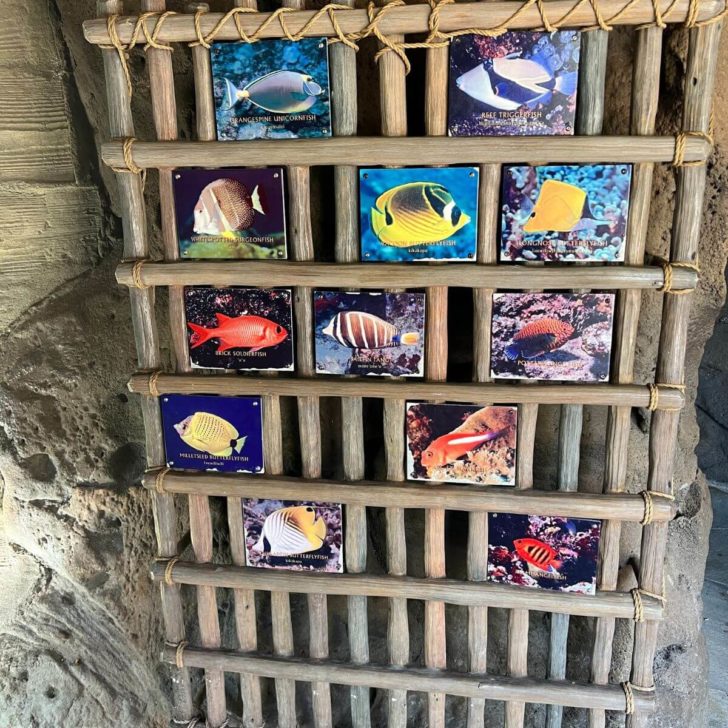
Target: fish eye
{"points": [[279, 329], [533, 214], [309, 509]]}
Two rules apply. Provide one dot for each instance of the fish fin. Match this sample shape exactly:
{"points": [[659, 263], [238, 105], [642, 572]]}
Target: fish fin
{"points": [[222, 318], [512, 352], [255, 348], [259, 544], [224, 346], [232, 94], [240, 444], [255, 199], [566, 83], [329, 330], [225, 453], [377, 221], [410, 338], [312, 88], [199, 335]]}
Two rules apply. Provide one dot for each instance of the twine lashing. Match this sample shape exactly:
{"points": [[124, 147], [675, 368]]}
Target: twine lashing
{"points": [[168, 569], [130, 166], [639, 607], [647, 497], [159, 480], [629, 690], [654, 402], [681, 140], [668, 268], [136, 274], [179, 654], [152, 384]]}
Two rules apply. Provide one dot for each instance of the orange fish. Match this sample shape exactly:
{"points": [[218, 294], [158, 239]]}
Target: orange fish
{"points": [[242, 332], [539, 337], [448, 448], [538, 553]]}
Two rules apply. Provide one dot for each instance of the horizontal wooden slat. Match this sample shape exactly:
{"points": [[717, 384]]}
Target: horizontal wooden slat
{"points": [[364, 151], [494, 499], [618, 395], [385, 677], [413, 19], [390, 275], [452, 591]]}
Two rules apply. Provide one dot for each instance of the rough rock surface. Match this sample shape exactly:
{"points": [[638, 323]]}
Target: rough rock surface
{"points": [[80, 630]]}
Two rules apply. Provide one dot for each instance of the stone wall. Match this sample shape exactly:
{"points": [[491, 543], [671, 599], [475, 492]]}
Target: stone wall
{"points": [[79, 627]]}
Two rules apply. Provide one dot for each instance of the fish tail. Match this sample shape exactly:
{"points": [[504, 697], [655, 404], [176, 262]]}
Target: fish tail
{"points": [[566, 83], [255, 199], [410, 338], [199, 335], [240, 443], [556, 564], [512, 351], [258, 545], [232, 94]]}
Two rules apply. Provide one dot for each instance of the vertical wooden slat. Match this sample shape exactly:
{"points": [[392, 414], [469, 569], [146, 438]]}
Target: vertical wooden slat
{"points": [[689, 196], [393, 104], [477, 558], [344, 123], [590, 117], [199, 506], [645, 95], [136, 245]]}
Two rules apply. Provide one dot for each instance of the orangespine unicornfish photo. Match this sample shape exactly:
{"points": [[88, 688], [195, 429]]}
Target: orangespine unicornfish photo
{"points": [[205, 432], [461, 443], [544, 552], [293, 535]]}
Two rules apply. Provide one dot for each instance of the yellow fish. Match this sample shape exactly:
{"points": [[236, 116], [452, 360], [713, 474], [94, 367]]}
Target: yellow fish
{"points": [[416, 213], [559, 208], [211, 434], [292, 530]]}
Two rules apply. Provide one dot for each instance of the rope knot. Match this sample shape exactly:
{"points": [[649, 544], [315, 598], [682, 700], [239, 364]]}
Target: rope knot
{"points": [[668, 268], [168, 569], [654, 402], [152, 383], [647, 497], [681, 141]]}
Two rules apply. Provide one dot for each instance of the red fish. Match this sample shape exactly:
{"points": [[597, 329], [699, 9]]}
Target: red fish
{"points": [[538, 338], [448, 448], [242, 332], [538, 553]]}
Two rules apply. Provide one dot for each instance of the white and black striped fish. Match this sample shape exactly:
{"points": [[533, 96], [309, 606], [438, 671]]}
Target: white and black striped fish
{"points": [[360, 330], [292, 530]]}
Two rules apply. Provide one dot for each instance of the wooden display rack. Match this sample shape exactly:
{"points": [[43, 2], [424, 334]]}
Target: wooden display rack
{"points": [[155, 29]]}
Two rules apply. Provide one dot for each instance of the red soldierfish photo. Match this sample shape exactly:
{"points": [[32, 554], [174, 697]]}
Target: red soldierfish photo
{"points": [[448, 448], [536, 552], [242, 332]]}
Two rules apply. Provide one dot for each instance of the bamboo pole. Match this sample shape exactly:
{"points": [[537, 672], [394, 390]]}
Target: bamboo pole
{"points": [[477, 558], [451, 591], [363, 151], [496, 499], [633, 395], [136, 245], [645, 97], [415, 19], [393, 104], [342, 60], [199, 506], [590, 117], [366, 275], [700, 74]]}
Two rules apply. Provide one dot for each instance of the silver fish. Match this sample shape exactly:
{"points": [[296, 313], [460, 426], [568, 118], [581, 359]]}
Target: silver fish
{"points": [[280, 92]]}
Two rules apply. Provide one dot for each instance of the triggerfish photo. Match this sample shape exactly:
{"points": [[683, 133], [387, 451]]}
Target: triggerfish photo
{"points": [[294, 535], [458, 443], [209, 433], [547, 552]]}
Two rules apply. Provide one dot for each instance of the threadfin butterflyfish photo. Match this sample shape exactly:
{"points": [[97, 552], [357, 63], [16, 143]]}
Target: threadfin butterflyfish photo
{"points": [[293, 530]]}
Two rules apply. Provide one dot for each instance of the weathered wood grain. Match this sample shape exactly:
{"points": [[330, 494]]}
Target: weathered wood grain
{"points": [[414, 19], [362, 151]]}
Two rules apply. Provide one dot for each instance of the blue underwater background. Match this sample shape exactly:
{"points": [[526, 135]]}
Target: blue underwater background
{"points": [[559, 52], [607, 187], [243, 63], [244, 413], [461, 182]]}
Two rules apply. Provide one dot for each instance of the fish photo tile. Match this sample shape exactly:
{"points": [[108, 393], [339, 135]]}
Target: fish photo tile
{"points": [[272, 89], [230, 213], [546, 552], [418, 213], [518, 83], [205, 432], [562, 337], [244, 329], [368, 333], [294, 535], [565, 212], [461, 443]]}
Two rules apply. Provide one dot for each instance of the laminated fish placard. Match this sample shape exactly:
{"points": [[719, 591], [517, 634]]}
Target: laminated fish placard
{"points": [[418, 213], [230, 213], [519, 83], [368, 333], [204, 432], [272, 89], [546, 552], [565, 212], [245, 329], [461, 443], [294, 535], [563, 337]]}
